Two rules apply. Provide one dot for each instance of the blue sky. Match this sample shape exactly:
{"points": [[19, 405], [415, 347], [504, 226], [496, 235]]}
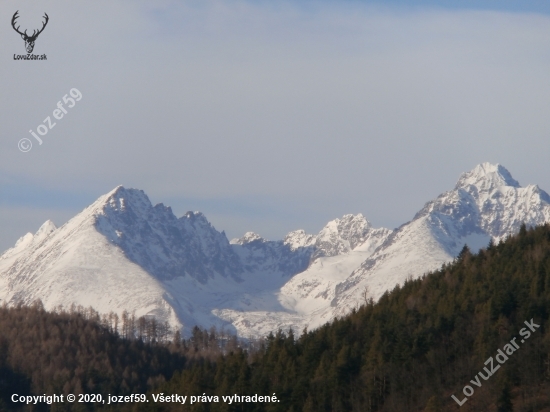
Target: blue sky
{"points": [[535, 6], [270, 117]]}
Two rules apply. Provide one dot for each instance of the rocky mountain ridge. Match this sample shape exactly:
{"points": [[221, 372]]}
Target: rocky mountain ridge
{"points": [[123, 253]]}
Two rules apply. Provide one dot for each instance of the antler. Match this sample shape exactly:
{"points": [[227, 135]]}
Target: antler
{"points": [[15, 17], [34, 35]]}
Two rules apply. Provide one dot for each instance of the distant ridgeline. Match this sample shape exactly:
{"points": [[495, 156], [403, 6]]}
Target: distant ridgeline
{"points": [[122, 253], [411, 351]]}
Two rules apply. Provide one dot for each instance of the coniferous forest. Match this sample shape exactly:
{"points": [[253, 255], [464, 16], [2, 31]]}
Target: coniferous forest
{"points": [[411, 351]]}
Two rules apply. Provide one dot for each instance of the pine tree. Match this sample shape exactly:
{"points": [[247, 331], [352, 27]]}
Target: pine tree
{"points": [[465, 251], [504, 403]]}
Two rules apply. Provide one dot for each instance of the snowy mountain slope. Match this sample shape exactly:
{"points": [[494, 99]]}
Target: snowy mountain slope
{"points": [[298, 250], [10, 256], [485, 203], [76, 264], [122, 253], [339, 248], [283, 257], [344, 235], [160, 243]]}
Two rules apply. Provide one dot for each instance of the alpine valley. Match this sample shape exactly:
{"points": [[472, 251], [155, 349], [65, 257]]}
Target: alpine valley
{"points": [[123, 253]]}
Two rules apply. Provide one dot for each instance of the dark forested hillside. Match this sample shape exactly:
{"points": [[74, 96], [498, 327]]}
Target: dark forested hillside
{"points": [[419, 345], [74, 352]]}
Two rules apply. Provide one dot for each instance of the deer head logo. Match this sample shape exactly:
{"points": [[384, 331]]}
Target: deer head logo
{"points": [[29, 40]]}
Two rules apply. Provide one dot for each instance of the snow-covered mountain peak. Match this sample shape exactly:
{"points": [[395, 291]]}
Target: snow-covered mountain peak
{"points": [[29, 239], [487, 203], [23, 241], [47, 227], [348, 227], [489, 200], [486, 177], [195, 216], [115, 201], [45, 230], [119, 198], [165, 246], [343, 235], [298, 239], [534, 191], [247, 238]]}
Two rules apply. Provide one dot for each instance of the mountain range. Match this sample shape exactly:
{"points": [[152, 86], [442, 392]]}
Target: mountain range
{"points": [[123, 253]]}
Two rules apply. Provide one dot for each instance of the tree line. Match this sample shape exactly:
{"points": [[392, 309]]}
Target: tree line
{"points": [[417, 346], [412, 350]]}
